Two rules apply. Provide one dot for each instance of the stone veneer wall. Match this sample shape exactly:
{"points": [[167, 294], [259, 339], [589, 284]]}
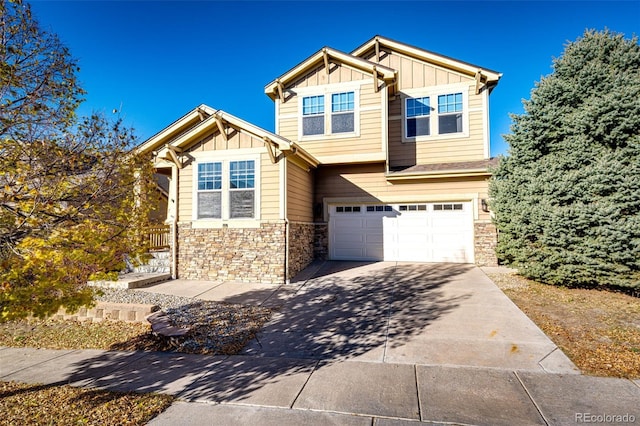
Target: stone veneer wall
{"points": [[485, 241], [301, 240], [233, 254], [321, 241]]}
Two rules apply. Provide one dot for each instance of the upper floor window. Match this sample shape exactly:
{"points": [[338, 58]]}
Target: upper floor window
{"points": [[313, 115], [342, 112], [424, 118], [418, 110], [330, 114], [450, 113], [225, 190]]}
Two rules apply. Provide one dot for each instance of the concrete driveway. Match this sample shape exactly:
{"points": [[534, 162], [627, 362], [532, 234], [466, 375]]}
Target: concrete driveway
{"points": [[356, 344], [402, 313]]}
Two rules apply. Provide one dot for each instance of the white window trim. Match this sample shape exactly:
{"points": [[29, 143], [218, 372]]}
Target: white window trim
{"points": [[433, 93], [327, 91], [224, 158]]}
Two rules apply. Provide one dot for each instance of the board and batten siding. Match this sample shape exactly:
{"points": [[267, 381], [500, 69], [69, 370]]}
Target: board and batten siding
{"points": [[299, 194], [369, 139], [437, 150], [236, 144], [415, 74], [368, 182]]}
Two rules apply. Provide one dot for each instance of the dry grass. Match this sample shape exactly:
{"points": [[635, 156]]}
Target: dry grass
{"points": [[598, 330], [22, 404], [59, 334]]}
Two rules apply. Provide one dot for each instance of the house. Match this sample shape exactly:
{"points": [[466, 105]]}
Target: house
{"points": [[378, 154]]}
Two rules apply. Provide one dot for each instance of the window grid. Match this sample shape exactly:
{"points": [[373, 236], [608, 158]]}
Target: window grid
{"points": [[242, 174], [418, 107], [451, 102], [313, 105], [209, 176], [342, 102]]}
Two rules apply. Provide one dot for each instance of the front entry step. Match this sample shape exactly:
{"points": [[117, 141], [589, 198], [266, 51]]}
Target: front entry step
{"points": [[133, 280]]}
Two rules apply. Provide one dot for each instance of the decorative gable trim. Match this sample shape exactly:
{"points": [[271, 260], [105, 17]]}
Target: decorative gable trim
{"points": [[482, 76], [170, 142], [325, 57]]}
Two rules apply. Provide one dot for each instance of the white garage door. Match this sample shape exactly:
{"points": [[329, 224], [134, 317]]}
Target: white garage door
{"points": [[422, 232]]}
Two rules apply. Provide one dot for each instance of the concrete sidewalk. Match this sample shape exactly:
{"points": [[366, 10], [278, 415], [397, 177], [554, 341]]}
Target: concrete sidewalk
{"points": [[358, 343], [246, 390]]}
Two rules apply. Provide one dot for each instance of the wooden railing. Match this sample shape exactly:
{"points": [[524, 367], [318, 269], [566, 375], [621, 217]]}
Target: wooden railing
{"points": [[159, 236]]}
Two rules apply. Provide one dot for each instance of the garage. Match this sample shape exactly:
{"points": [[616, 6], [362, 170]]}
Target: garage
{"points": [[414, 232]]}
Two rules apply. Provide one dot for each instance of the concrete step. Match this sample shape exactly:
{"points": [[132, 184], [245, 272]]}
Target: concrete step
{"points": [[161, 254], [152, 269], [133, 280], [159, 262]]}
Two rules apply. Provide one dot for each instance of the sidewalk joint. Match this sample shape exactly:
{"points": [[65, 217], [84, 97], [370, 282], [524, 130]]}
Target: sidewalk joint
{"points": [[535, 404]]}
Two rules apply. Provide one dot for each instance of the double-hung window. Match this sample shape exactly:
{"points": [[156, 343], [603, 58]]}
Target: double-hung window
{"points": [[242, 178], [417, 112], [450, 113], [434, 115], [342, 112], [226, 190], [313, 115], [330, 114], [209, 190]]}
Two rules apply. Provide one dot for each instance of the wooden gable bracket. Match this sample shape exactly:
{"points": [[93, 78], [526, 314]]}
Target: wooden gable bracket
{"points": [[221, 127], [270, 149], [325, 56], [173, 155], [202, 114], [478, 78], [377, 50], [280, 87], [375, 79]]}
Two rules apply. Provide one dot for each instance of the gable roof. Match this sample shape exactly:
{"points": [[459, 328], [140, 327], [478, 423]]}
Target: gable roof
{"points": [[202, 120], [378, 42], [326, 56]]}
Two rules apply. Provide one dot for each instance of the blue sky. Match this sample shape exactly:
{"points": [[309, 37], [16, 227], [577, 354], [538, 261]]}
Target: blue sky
{"points": [[155, 61]]}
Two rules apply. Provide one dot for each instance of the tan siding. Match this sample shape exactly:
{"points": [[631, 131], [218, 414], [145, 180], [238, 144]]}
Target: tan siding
{"points": [[370, 138], [299, 194], [269, 189], [185, 193], [368, 181]]}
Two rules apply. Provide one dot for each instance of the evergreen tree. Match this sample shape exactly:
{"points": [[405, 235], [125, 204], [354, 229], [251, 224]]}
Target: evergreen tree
{"points": [[567, 197]]}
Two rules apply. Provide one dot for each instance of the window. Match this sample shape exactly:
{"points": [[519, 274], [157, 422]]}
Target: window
{"points": [[226, 190], [450, 113], [209, 191], [348, 209], [330, 114], [418, 117], [342, 115], [241, 189], [449, 207], [439, 114], [313, 115]]}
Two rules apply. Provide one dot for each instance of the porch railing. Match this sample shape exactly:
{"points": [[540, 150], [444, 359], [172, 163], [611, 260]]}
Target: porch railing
{"points": [[158, 236]]}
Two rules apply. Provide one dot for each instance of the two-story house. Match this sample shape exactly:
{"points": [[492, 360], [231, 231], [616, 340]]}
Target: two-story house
{"points": [[378, 154]]}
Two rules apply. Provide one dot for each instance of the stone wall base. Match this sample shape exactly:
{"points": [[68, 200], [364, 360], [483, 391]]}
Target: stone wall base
{"points": [[321, 241], [485, 241], [233, 254], [301, 245]]}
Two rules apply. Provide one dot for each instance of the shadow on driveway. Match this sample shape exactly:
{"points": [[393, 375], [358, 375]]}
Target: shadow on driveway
{"points": [[345, 310]]}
